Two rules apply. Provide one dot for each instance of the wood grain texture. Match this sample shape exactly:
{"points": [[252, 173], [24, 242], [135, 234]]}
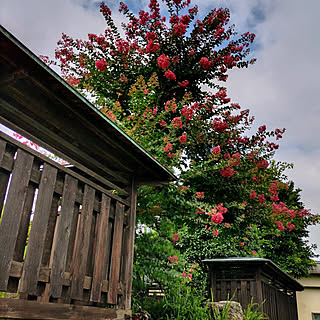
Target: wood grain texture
{"points": [[101, 249], [129, 247], [33, 310], [4, 175], [80, 257], [12, 213], [62, 236], [36, 243], [116, 254]]}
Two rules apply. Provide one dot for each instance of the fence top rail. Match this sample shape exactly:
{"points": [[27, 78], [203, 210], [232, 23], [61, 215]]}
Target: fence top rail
{"points": [[264, 265], [49, 111]]}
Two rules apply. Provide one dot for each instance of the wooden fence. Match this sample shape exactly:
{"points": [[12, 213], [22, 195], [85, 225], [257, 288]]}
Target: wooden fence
{"points": [[64, 238]]}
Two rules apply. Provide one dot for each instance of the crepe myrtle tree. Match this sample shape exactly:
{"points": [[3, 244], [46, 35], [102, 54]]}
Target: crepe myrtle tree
{"points": [[232, 198], [184, 52]]}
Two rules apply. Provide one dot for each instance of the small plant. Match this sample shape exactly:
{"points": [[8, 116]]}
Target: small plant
{"points": [[185, 303], [253, 312], [221, 314]]}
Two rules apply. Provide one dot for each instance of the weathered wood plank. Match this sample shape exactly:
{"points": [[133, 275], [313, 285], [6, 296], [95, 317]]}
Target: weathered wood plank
{"points": [[33, 310], [80, 257], [44, 276], [116, 254], [12, 213], [20, 248], [31, 268], [128, 250], [73, 232], [50, 230], [101, 250], [4, 176], [62, 236], [4, 179]]}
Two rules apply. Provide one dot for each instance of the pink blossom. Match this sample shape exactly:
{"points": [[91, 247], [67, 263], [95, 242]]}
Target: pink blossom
{"points": [[221, 209], [253, 194], [280, 225], [105, 10], [199, 195], [168, 147], [175, 237], [262, 129], [227, 172], [151, 35], [205, 63], [183, 138], [163, 61], [179, 29], [290, 226], [101, 65], [216, 150], [261, 198], [215, 232], [173, 258], [217, 218], [170, 75], [177, 123], [185, 19], [200, 211], [187, 112], [184, 83]]}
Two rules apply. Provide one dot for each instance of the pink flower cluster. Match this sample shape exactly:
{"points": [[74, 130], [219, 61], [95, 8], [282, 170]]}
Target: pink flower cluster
{"points": [[152, 46], [227, 172], [199, 195], [179, 29], [274, 191], [170, 75], [216, 150], [205, 63], [219, 125], [279, 225], [177, 123], [175, 237], [168, 147], [184, 83], [163, 61], [183, 138], [173, 258], [101, 65]]}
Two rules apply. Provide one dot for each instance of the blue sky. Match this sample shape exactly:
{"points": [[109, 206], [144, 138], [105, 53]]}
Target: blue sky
{"points": [[281, 89]]}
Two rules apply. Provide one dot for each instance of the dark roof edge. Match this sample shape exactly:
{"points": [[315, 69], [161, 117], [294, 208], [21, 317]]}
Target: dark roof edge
{"points": [[267, 262], [28, 52]]}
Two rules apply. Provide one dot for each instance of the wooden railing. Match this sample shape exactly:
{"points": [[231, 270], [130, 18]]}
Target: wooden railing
{"points": [[64, 237]]}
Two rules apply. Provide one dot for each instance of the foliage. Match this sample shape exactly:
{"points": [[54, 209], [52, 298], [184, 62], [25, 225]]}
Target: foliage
{"points": [[184, 303], [253, 312], [231, 198]]}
